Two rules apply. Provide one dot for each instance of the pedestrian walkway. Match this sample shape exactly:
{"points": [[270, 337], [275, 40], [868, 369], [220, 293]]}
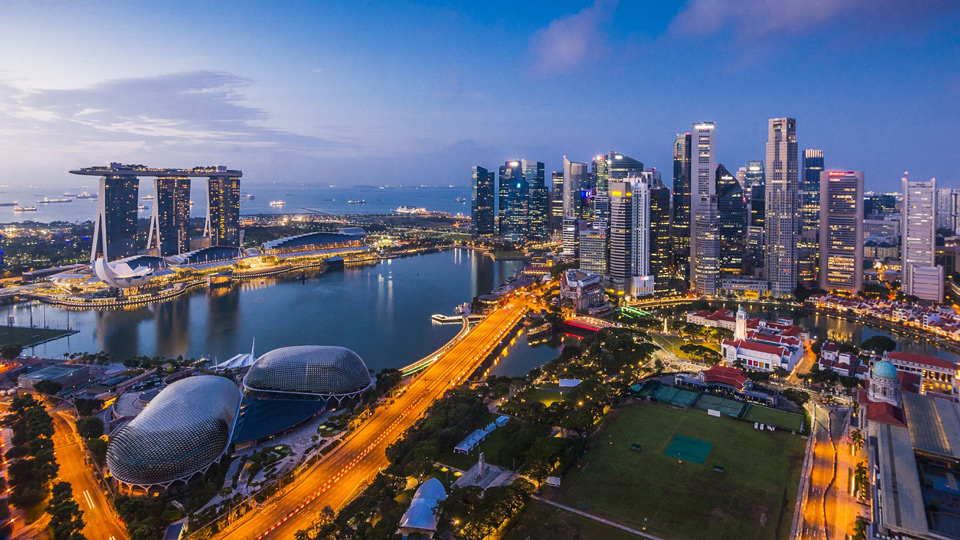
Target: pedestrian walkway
{"points": [[597, 518]]}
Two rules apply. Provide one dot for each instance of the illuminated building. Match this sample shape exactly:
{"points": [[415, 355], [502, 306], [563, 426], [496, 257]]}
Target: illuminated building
{"points": [[538, 206], [660, 239], [115, 230], [733, 222], [482, 204], [919, 241], [702, 183], [575, 181], [781, 200], [810, 191], [222, 226], [556, 203], [681, 203], [841, 231], [706, 246], [510, 172], [593, 251], [170, 221]]}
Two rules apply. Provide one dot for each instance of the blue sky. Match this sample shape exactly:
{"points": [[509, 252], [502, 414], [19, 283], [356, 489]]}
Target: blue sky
{"points": [[391, 92]]}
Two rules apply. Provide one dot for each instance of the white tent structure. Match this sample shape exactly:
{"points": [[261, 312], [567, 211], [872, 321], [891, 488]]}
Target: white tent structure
{"points": [[421, 517]]}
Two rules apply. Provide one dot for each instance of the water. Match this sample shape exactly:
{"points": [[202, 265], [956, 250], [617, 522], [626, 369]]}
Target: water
{"points": [[382, 312], [297, 196]]}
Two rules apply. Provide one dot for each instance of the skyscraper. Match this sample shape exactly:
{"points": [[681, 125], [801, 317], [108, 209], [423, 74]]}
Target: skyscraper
{"points": [[733, 222], [706, 246], [681, 203], [841, 231], [623, 226], [661, 240], [510, 172], [574, 182], [756, 212], [948, 208], [810, 191], [115, 230], [613, 166], [702, 179], [170, 220], [539, 200], [556, 202], [482, 202], [593, 251], [918, 241], [781, 195], [223, 210]]}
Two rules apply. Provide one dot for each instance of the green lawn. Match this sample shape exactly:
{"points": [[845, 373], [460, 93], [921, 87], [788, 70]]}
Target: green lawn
{"points": [[753, 499], [29, 336], [489, 446], [781, 419], [545, 395], [541, 521]]}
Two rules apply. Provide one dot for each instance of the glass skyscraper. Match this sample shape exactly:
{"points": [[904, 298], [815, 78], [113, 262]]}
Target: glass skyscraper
{"points": [[538, 205], [170, 223], [556, 203], [115, 231], [482, 202], [681, 203], [510, 172], [733, 222], [810, 191], [223, 211], [782, 216]]}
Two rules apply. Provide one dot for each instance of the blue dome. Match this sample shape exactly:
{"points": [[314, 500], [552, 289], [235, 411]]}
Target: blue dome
{"points": [[884, 370]]}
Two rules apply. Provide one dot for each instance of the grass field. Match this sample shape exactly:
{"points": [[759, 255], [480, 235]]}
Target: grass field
{"points": [[781, 419], [29, 336], [545, 395], [540, 521], [753, 499]]}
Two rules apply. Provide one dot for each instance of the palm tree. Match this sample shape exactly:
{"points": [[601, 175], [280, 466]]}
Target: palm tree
{"points": [[861, 478], [856, 436]]}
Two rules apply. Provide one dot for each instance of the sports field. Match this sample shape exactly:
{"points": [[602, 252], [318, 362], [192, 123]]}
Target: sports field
{"points": [[29, 336], [752, 499], [781, 419], [726, 406], [540, 521]]}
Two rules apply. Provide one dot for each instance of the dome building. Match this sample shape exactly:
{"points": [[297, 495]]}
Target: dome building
{"points": [[184, 430], [884, 383], [315, 371]]}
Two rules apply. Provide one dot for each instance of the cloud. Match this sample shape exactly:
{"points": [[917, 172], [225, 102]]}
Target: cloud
{"points": [[759, 18], [189, 111], [571, 41]]}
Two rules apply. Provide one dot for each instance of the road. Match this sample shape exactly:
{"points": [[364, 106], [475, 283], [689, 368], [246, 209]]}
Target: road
{"points": [[100, 522], [336, 480]]}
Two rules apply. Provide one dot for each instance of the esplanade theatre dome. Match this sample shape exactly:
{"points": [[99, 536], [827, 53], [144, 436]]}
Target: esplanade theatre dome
{"points": [[309, 370], [181, 432]]}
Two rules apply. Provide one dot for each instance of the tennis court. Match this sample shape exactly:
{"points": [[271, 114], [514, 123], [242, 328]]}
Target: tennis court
{"points": [[689, 449], [727, 407], [675, 396]]}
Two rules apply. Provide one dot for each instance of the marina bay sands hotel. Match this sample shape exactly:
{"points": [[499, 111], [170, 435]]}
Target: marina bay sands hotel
{"points": [[115, 230]]}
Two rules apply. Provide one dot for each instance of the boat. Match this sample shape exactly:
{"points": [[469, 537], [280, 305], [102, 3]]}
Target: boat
{"points": [[48, 200], [247, 197], [147, 198], [358, 201], [461, 199], [411, 210], [277, 204], [18, 208], [68, 194], [86, 195], [8, 203], [142, 208]]}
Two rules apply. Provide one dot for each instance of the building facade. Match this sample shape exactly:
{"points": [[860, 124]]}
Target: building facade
{"points": [[222, 226], [706, 246], [681, 202], [593, 251], [170, 220], [482, 203], [918, 243], [781, 219], [733, 222]]}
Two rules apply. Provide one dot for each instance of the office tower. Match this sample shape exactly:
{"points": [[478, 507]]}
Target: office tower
{"points": [[556, 203], [841, 231], [920, 277], [753, 182], [170, 220], [781, 220], [624, 224], [661, 232], [702, 179], [948, 208], [510, 172], [575, 181], [681, 203], [115, 230], [593, 251], [517, 227], [601, 210], [733, 222], [538, 206], [606, 169], [572, 228], [756, 209], [223, 210], [482, 186], [706, 246], [810, 191]]}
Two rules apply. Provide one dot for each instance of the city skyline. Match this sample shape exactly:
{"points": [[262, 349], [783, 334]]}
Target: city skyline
{"points": [[78, 96]]}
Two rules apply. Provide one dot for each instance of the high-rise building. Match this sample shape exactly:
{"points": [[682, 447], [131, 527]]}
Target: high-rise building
{"points": [[841, 231], [115, 230], [706, 246], [593, 251], [781, 220], [948, 208], [702, 179], [482, 203], [681, 203], [624, 221], [918, 244], [571, 235], [733, 222], [539, 197], [556, 203], [601, 210], [170, 220], [756, 212], [810, 191], [608, 168], [574, 182], [223, 210], [661, 232], [517, 213], [510, 172]]}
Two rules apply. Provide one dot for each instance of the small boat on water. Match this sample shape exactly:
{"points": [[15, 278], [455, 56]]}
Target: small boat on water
{"points": [[147, 198], [358, 201], [86, 195], [277, 204], [48, 200], [8, 203], [461, 199], [17, 208], [247, 197]]}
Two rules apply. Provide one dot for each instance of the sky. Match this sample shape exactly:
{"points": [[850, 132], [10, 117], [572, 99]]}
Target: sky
{"points": [[364, 92]]}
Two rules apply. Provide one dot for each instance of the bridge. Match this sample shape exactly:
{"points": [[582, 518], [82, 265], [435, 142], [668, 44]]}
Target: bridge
{"points": [[344, 471], [590, 323]]}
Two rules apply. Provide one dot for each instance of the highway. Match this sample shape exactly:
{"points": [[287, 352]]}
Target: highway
{"points": [[100, 521], [339, 478]]}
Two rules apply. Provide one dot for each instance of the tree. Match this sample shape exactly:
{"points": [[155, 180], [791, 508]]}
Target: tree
{"points": [[541, 459], [879, 343], [98, 450], [861, 478], [860, 529], [50, 388], [10, 351], [66, 518], [856, 437], [797, 396], [90, 427]]}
